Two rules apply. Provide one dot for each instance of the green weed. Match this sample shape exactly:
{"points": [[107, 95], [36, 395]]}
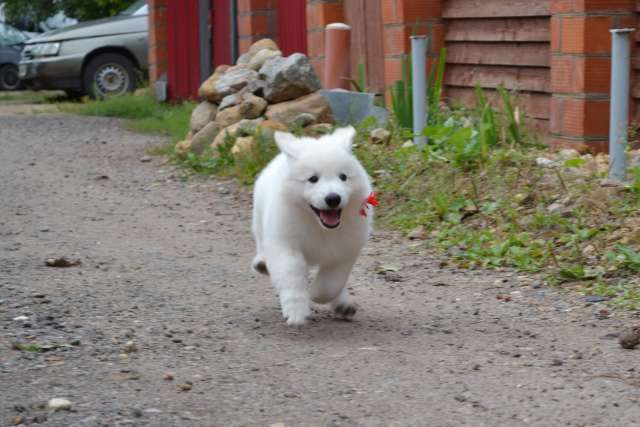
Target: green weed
{"points": [[222, 162], [29, 348]]}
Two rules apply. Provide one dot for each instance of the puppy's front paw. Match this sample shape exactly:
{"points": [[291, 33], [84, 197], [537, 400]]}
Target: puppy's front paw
{"points": [[346, 311], [296, 314]]}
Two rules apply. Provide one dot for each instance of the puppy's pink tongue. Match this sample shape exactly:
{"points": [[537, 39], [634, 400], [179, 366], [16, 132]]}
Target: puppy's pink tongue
{"points": [[331, 217]]}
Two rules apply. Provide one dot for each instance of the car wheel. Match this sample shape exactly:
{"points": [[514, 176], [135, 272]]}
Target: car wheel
{"points": [[9, 78], [109, 74]]}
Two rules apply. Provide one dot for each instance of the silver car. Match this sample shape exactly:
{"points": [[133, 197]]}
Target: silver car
{"points": [[98, 58]]}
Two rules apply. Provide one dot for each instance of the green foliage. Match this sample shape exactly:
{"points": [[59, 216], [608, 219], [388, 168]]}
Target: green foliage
{"points": [[360, 83], [401, 96], [574, 163], [625, 257], [434, 91], [222, 162], [622, 295], [513, 120], [635, 181], [466, 137], [29, 348], [83, 10], [402, 93]]}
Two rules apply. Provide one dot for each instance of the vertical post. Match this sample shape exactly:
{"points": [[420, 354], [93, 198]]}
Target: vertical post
{"points": [[204, 13], [619, 117], [337, 68], [419, 95], [234, 30]]}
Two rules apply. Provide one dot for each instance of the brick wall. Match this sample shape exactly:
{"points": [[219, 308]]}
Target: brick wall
{"points": [[257, 19], [157, 38], [580, 69]]}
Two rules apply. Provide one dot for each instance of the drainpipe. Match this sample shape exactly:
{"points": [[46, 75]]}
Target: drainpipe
{"points": [[206, 63], [337, 53], [619, 117], [419, 81], [234, 30]]}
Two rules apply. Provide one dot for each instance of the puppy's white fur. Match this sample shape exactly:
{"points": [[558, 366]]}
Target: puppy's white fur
{"points": [[290, 236]]}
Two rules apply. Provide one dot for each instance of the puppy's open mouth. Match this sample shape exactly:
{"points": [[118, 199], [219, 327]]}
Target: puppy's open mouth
{"points": [[330, 218]]}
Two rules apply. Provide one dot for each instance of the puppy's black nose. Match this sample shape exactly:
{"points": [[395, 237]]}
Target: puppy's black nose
{"points": [[332, 200]]}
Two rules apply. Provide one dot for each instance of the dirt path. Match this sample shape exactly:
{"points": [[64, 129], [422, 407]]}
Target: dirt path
{"points": [[165, 264]]}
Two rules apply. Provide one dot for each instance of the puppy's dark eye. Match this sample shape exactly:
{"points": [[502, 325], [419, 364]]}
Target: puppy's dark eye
{"points": [[343, 177], [313, 179]]}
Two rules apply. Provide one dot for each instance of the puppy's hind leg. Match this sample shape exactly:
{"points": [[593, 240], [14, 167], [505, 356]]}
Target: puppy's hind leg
{"points": [[330, 287], [289, 276]]}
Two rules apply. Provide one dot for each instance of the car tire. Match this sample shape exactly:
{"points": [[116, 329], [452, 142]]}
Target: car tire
{"points": [[109, 74], [9, 77]]}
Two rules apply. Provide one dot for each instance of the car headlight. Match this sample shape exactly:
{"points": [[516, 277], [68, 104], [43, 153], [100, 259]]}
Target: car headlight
{"points": [[46, 49]]}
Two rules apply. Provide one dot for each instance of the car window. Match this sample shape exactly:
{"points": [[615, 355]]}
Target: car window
{"points": [[10, 36], [138, 8]]}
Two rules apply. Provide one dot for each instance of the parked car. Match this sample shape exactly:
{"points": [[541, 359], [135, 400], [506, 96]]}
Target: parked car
{"points": [[11, 43], [99, 58]]}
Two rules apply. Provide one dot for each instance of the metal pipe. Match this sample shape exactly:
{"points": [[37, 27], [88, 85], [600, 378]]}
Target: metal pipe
{"points": [[619, 115], [419, 90], [204, 31], [337, 52], [234, 30]]}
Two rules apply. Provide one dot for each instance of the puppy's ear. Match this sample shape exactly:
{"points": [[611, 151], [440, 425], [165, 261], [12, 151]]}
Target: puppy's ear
{"points": [[344, 137], [288, 144]]}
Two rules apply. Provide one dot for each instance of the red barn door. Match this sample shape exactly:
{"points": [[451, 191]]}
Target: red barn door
{"points": [[183, 49], [292, 26]]}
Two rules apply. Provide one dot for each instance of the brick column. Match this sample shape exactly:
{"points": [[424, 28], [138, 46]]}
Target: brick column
{"points": [[580, 70], [157, 39], [320, 13], [257, 19], [402, 19]]}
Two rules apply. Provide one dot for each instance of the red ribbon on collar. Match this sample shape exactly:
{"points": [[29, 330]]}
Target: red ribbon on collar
{"points": [[370, 201]]}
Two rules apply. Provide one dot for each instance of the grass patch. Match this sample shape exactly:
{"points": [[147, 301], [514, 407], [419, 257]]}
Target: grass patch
{"points": [[145, 114], [32, 97]]}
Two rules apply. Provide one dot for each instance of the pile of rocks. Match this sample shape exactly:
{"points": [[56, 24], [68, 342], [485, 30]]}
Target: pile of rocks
{"points": [[263, 91]]}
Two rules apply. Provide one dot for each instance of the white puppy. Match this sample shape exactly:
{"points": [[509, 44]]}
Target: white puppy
{"points": [[310, 210]]}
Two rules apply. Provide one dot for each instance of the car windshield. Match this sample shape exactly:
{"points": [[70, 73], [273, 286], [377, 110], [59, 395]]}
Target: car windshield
{"points": [[9, 36], [137, 9]]}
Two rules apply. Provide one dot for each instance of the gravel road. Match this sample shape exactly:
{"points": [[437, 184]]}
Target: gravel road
{"points": [[164, 324]]}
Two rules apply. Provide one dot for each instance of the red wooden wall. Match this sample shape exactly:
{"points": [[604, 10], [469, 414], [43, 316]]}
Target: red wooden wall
{"points": [[221, 42], [292, 26], [183, 72]]}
